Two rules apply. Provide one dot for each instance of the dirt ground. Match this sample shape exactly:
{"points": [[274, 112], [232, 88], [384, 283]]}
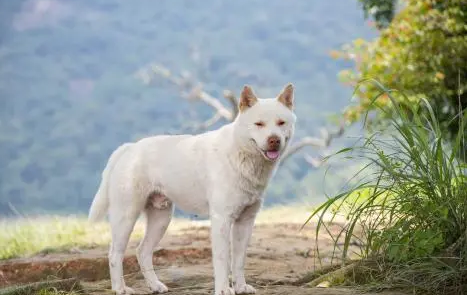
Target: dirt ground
{"points": [[279, 254]]}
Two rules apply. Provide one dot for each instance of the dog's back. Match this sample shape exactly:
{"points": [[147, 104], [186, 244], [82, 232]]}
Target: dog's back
{"points": [[172, 165]]}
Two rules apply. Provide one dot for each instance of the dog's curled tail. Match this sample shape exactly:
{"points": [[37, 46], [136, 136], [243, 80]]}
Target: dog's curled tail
{"points": [[100, 203]]}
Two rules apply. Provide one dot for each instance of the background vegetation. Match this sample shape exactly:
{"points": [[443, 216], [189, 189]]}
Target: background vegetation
{"points": [[422, 52], [408, 208]]}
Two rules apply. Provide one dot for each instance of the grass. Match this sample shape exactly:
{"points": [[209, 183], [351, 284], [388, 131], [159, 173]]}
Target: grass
{"points": [[47, 287], [55, 292], [22, 237], [26, 236], [409, 205]]}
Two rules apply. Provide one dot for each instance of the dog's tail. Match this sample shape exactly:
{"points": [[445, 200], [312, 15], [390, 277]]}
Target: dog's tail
{"points": [[100, 203]]}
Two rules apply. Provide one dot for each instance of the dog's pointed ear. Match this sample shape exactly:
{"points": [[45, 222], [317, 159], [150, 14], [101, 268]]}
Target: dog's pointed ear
{"points": [[286, 96], [247, 98]]}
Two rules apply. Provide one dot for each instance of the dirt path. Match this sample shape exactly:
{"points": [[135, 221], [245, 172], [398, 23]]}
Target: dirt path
{"points": [[278, 255]]}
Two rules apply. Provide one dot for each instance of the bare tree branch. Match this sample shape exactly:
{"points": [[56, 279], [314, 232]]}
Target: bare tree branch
{"points": [[313, 161], [320, 142], [208, 123], [183, 81], [230, 96], [194, 91]]}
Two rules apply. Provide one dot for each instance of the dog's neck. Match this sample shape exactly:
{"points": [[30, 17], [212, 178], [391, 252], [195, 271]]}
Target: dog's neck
{"points": [[250, 164], [253, 168]]}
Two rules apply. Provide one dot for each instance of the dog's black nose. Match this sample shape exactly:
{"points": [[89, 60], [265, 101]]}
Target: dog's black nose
{"points": [[274, 142]]}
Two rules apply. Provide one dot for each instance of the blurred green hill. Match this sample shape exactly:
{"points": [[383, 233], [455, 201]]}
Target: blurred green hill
{"points": [[69, 95]]}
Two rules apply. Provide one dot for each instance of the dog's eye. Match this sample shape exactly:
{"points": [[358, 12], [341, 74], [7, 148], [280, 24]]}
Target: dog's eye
{"points": [[259, 124], [280, 123]]}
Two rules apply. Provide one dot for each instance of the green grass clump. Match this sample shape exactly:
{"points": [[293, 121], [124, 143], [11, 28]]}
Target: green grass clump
{"points": [[55, 292], [409, 206], [26, 236]]}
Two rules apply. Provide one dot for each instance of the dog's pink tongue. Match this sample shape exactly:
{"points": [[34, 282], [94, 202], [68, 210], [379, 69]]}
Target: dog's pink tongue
{"points": [[272, 154]]}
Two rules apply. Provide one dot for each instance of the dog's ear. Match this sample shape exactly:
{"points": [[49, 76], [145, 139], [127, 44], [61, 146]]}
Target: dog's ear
{"points": [[286, 96], [247, 98]]}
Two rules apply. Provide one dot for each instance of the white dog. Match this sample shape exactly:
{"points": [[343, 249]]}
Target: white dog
{"points": [[221, 173]]}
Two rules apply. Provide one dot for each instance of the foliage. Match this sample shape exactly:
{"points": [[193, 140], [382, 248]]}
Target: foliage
{"points": [[381, 10], [423, 52], [69, 96], [410, 203]]}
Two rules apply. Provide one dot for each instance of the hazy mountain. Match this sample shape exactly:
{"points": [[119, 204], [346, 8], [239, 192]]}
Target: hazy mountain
{"points": [[69, 96]]}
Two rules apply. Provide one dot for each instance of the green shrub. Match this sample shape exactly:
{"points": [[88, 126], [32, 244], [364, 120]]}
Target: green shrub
{"points": [[409, 206]]}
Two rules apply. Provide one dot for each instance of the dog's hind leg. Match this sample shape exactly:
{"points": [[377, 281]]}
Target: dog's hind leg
{"points": [[159, 212], [122, 220]]}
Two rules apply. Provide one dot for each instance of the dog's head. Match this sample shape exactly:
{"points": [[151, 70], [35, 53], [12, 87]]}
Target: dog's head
{"points": [[266, 125]]}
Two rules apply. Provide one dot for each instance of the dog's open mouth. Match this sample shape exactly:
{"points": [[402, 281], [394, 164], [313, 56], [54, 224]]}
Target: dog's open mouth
{"points": [[271, 155]]}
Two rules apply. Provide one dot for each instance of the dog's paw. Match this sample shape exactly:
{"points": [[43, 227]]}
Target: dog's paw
{"points": [[244, 289], [227, 291], [158, 287], [125, 291]]}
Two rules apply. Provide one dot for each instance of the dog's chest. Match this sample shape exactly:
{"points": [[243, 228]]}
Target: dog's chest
{"points": [[246, 196], [242, 179], [250, 185]]}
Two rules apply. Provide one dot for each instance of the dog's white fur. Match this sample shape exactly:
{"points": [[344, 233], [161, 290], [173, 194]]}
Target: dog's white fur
{"points": [[221, 173]]}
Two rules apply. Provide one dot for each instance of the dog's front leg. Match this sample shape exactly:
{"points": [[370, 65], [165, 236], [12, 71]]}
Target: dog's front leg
{"points": [[221, 225], [241, 233]]}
